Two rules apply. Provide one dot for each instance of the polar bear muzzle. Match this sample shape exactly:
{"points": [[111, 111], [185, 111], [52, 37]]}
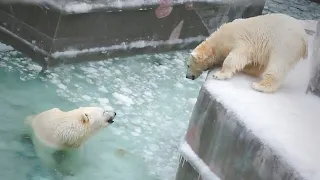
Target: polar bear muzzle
{"points": [[193, 68], [112, 116]]}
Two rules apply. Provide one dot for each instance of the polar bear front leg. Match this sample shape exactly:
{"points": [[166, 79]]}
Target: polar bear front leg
{"points": [[235, 61], [60, 157]]}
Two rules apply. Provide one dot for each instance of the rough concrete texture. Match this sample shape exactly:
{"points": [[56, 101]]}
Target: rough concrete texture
{"points": [[314, 86], [301, 9]]}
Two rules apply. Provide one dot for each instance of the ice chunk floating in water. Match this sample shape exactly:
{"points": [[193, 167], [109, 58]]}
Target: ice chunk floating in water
{"points": [[150, 93], [4, 47]]}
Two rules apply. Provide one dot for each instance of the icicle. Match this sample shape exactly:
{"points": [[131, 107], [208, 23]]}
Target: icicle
{"points": [[184, 160]]}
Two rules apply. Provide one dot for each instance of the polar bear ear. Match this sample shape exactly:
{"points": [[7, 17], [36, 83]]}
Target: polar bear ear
{"points": [[85, 118]]}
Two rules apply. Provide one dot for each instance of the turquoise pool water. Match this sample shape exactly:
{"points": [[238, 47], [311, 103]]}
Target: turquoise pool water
{"points": [[150, 93]]}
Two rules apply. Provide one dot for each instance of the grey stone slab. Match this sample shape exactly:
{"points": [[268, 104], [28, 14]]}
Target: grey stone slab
{"points": [[27, 33], [214, 16], [187, 172], [317, 1], [107, 29], [314, 85], [37, 55], [228, 147], [7, 8], [301, 9], [93, 34], [40, 18]]}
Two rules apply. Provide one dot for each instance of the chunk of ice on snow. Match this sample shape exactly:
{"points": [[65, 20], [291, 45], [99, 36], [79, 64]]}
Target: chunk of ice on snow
{"points": [[123, 99]]}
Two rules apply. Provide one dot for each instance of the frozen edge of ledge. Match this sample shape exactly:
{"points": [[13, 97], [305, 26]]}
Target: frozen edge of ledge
{"points": [[189, 155]]}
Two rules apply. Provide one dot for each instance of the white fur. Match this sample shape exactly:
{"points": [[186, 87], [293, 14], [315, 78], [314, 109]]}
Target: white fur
{"points": [[275, 41], [55, 130]]}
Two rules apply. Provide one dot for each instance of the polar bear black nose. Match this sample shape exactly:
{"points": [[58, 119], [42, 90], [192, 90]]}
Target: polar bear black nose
{"points": [[110, 121], [190, 77]]}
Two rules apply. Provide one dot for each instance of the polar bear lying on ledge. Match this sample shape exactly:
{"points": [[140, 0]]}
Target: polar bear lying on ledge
{"points": [[270, 45], [57, 135]]}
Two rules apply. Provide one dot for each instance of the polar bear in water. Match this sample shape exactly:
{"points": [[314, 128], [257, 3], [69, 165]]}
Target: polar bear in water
{"points": [[57, 135]]}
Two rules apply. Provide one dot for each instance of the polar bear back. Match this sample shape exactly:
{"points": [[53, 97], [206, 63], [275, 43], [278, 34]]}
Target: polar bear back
{"points": [[267, 35], [40, 129]]}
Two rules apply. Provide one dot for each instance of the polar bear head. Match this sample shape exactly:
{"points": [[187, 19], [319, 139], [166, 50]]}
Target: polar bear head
{"points": [[96, 118], [74, 127], [196, 64], [202, 58]]}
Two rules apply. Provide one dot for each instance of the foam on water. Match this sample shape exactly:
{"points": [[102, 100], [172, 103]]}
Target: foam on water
{"points": [[150, 93]]}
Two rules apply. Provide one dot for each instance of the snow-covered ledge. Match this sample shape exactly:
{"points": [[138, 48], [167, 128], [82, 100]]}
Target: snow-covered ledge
{"points": [[239, 133]]}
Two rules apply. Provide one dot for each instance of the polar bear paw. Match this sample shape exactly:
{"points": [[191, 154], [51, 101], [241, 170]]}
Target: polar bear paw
{"points": [[222, 75], [265, 87], [262, 88], [269, 84]]}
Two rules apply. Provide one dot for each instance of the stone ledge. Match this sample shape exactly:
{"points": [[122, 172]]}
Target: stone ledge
{"points": [[243, 134], [314, 85]]}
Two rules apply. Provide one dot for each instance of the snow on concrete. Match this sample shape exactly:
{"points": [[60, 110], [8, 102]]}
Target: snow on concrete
{"points": [[124, 46], [197, 163], [287, 121], [85, 7], [81, 6]]}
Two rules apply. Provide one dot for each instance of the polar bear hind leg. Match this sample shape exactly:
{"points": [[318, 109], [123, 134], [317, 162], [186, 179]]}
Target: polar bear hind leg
{"points": [[234, 62], [275, 73], [254, 70], [268, 84]]}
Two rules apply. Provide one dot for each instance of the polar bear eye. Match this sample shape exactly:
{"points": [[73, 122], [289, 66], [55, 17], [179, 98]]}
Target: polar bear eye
{"points": [[87, 117]]}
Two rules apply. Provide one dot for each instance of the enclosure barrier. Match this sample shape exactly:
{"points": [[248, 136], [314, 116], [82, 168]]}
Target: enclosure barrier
{"points": [[60, 31]]}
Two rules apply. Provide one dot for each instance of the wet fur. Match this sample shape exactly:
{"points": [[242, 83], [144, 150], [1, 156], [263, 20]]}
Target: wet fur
{"points": [[267, 45]]}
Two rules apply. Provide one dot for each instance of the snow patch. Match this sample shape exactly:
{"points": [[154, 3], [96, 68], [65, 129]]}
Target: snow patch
{"points": [[125, 46], [82, 7]]}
